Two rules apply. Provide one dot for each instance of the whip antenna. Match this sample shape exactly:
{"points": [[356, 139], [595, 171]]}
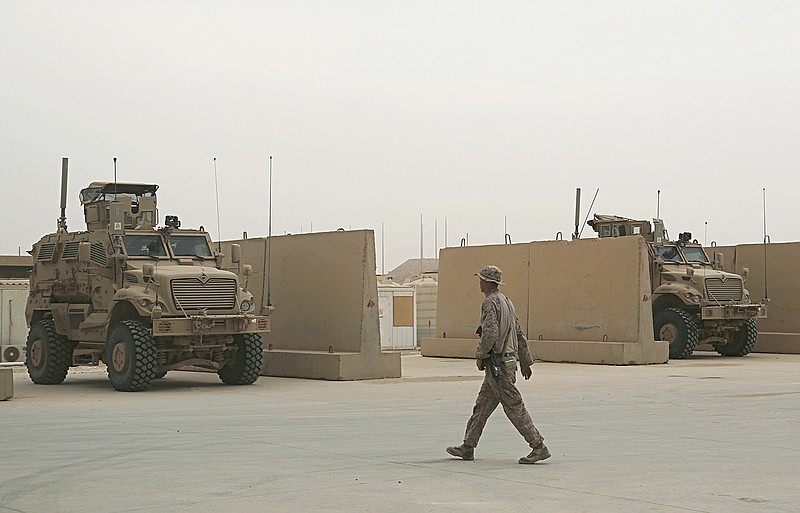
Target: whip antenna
{"points": [[269, 238], [216, 191], [588, 212], [766, 240]]}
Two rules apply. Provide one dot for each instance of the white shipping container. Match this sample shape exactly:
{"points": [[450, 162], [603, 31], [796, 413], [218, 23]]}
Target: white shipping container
{"points": [[13, 327]]}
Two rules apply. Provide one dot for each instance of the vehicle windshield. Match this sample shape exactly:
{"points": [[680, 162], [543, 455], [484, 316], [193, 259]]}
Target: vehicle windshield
{"points": [[669, 254], [695, 254], [190, 245], [144, 245]]}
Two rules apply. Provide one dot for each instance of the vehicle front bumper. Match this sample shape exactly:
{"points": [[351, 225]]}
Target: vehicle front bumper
{"points": [[210, 325], [737, 311]]}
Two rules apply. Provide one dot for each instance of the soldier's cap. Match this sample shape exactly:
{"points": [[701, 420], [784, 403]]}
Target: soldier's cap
{"points": [[491, 273]]}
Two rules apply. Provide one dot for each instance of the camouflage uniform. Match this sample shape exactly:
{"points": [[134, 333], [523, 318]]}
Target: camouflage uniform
{"points": [[506, 339]]}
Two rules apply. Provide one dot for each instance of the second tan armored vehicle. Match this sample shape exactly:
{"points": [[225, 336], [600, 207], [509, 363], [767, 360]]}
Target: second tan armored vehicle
{"points": [[694, 301], [143, 299]]}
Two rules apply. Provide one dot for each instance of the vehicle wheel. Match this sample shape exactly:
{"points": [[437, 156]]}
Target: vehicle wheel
{"points": [[742, 342], [131, 357], [246, 366], [677, 327], [48, 354]]}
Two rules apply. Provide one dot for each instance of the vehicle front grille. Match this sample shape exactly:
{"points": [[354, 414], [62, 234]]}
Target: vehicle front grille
{"points": [[728, 290], [214, 294]]}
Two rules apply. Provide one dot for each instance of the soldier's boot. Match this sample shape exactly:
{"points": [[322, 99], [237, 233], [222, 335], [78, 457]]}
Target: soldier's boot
{"points": [[463, 451], [539, 453]]}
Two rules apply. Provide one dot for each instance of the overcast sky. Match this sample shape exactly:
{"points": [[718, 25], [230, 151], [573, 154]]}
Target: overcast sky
{"points": [[486, 114]]}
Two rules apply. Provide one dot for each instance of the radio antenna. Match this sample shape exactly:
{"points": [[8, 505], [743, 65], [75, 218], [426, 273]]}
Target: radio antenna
{"points": [[62, 221], [269, 238], [766, 240], [588, 212], [577, 212], [115, 178], [216, 191], [658, 205]]}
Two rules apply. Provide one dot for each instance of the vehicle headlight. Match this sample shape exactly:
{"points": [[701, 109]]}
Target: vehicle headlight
{"points": [[149, 304], [246, 306], [695, 298]]}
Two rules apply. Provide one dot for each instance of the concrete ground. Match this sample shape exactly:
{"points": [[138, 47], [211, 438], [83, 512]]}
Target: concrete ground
{"points": [[709, 434]]}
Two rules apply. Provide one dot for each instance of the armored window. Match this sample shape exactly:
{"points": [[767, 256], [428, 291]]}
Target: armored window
{"points": [[670, 254], [90, 194], [637, 229], [190, 245], [144, 245], [46, 252], [695, 254]]}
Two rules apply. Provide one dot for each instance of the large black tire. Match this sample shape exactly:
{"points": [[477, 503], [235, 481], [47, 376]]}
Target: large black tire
{"points": [[131, 357], [678, 328], [48, 354], [246, 367], [742, 342]]}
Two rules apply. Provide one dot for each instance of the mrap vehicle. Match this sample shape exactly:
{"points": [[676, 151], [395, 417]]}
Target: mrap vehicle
{"points": [[694, 301], [143, 299]]}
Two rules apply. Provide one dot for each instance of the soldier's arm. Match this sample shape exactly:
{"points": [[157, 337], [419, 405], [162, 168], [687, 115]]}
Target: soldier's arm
{"points": [[525, 358], [490, 329]]}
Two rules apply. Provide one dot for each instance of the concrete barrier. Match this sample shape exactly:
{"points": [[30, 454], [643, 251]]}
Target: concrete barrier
{"points": [[590, 302], [585, 301], [6, 383], [458, 304], [780, 331], [324, 289]]}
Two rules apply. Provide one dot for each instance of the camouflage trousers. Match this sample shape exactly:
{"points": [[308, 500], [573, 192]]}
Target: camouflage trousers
{"points": [[501, 391]]}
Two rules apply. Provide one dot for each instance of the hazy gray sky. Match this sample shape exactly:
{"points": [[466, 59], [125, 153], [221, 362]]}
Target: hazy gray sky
{"points": [[377, 113]]}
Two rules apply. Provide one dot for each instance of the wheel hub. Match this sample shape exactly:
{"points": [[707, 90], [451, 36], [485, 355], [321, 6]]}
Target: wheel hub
{"points": [[119, 358], [36, 353], [668, 333]]}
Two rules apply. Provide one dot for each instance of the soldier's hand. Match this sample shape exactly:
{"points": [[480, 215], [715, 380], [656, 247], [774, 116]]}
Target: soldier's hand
{"points": [[526, 371], [479, 363]]}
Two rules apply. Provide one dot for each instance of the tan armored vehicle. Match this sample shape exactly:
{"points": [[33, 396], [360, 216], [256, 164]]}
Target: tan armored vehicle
{"points": [[143, 299], [693, 300]]}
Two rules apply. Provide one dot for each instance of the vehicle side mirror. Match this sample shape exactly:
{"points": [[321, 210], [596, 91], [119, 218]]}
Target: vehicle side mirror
{"points": [[690, 271], [147, 270], [745, 272], [719, 260], [236, 253], [85, 252], [247, 270]]}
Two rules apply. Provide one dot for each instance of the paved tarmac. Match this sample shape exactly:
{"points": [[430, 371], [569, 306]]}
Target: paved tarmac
{"points": [[708, 434]]}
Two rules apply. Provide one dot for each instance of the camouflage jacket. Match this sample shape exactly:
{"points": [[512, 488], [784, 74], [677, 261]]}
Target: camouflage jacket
{"points": [[497, 314]]}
